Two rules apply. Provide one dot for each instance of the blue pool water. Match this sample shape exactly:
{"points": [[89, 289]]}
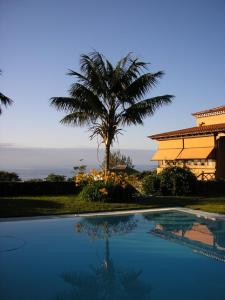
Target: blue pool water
{"points": [[157, 256]]}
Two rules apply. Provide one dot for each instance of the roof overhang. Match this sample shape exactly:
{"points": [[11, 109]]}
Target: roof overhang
{"points": [[210, 112], [191, 132]]}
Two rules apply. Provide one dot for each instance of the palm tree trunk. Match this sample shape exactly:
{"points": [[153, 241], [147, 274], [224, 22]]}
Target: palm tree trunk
{"points": [[107, 253], [107, 154]]}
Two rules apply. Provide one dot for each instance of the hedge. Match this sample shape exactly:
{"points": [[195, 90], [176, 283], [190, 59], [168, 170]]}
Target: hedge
{"points": [[211, 188], [37, 188], [178, 181]]}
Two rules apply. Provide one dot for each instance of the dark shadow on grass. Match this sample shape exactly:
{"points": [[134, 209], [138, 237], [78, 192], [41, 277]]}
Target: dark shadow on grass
{"points": [[166, 201], [28, 207]]}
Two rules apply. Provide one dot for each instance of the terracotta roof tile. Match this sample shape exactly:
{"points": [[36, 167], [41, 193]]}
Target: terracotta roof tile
{"points": [[209, 111], [207, 129]]}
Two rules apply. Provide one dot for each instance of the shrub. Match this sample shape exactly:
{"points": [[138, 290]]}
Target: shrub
{"points": [[177, 181], [143, 174], [107, 192], [55, 178], [9, 176], [105, 186], [151, 184], [93, 175], [120, 193], [95, 191]]}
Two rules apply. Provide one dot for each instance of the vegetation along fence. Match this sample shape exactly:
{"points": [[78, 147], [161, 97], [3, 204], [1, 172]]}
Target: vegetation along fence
{"points": [[37, 188]]}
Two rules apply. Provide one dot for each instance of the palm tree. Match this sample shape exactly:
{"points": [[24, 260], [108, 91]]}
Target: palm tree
{"points": [[4, 100], [107, 97]]}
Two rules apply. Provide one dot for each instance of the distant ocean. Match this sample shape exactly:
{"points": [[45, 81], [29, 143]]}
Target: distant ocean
{"points": [[39, 162], [28, 173]]}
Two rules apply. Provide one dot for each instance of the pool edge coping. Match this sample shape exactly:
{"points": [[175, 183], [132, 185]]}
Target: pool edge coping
{"points": [[199, 213]]}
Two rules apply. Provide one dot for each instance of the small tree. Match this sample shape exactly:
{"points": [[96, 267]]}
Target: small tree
{"points": [[151, 183], [80, 169], [55, 178], [9, 176], [177, 181], [117, 158]]}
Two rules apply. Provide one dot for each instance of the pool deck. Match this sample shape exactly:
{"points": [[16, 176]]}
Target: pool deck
{"points": [[198, 213]]}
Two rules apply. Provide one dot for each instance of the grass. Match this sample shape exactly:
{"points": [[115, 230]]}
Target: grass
{"points": [[53, 205]]}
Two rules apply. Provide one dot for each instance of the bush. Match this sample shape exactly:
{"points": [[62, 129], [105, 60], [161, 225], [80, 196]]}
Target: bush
{"points": [[177, 181], [151, 184], [94, 175], [121, 193], [55, 178], [143, 174], [95, 191], [9, 176], [107, 192]]}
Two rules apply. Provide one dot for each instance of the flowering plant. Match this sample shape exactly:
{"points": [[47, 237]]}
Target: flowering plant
{"points": [[104, 186], [105, 176]]}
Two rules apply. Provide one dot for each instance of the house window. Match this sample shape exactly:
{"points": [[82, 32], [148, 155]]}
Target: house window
{"points": [[203, 162]]}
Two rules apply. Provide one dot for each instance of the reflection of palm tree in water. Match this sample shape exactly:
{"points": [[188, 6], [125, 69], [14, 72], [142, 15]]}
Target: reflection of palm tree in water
{"points": [[104, 228], [106, 282]]}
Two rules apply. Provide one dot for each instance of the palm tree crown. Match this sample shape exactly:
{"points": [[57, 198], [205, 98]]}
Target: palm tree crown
{"points": [[107, 97], [4, 100]]}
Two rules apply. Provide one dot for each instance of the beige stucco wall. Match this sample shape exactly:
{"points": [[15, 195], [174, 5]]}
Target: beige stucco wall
{"points": [[193, 143], [217, 119], [213, 165], [198, 170]]}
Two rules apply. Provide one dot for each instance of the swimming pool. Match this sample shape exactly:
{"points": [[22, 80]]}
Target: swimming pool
{"points": [[157, 256]]}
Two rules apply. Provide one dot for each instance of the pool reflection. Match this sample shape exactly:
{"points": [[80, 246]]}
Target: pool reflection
{"points": [[203, 236], [106, 281]]}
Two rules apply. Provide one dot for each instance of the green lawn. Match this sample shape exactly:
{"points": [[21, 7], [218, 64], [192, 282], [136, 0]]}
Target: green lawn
{"points": [[53, 205]]}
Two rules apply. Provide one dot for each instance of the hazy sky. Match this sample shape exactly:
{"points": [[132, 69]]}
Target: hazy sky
{"points": [[41, 39]]}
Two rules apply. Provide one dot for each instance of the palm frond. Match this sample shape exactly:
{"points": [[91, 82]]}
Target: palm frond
{"points": [[82, 101], [145, 108], [99, 61], [124, 62], [65, 103], [139, 87], [78, 119], [6, 101], [91, 70], [87, 99], [134, 70], [81, 78]]}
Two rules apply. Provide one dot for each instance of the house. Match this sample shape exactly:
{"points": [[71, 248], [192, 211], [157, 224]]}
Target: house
{"points": [[204, 239], [200, 148]]}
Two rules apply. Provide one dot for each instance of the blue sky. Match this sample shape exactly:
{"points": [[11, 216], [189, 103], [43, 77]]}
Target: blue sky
{"points": [[40, 40]]}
